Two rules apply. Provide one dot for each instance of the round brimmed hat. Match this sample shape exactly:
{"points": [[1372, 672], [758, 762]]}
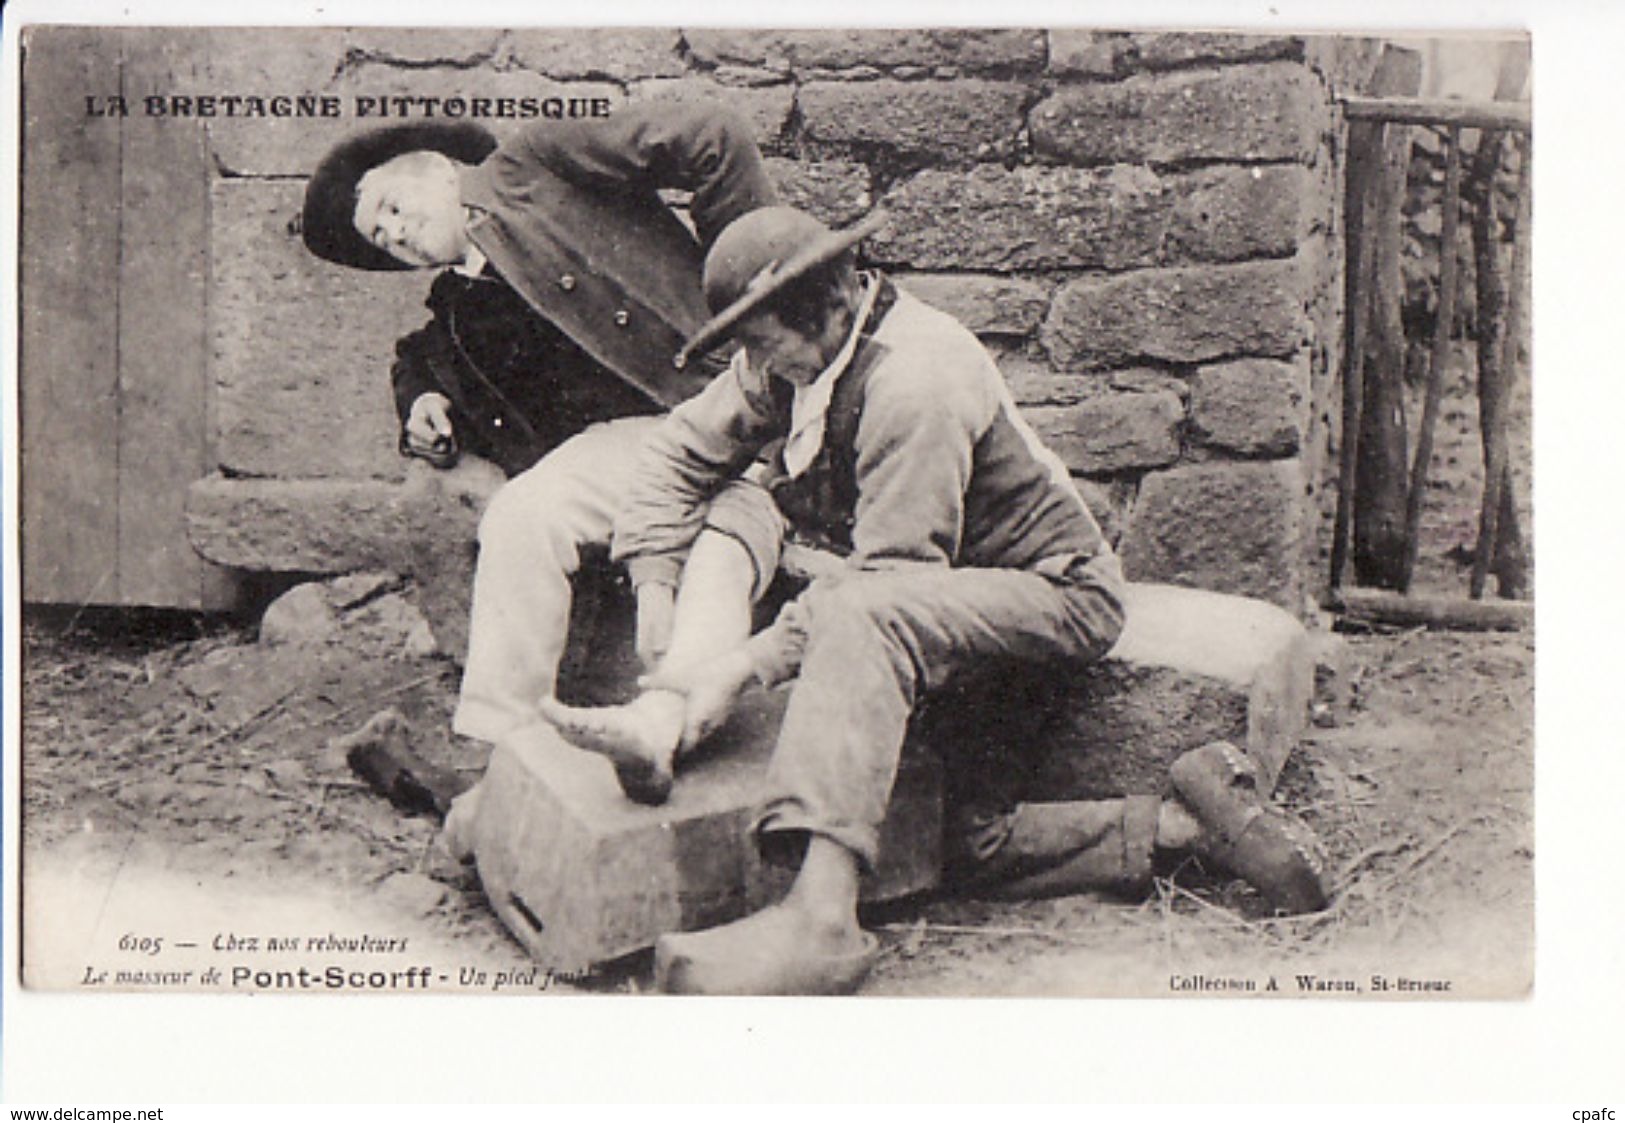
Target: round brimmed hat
{"points": [[757, 255], [328, 220]]}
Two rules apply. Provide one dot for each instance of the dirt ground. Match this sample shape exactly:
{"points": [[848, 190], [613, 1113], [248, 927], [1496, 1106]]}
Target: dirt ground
{"points": [[207, 755], [178, 775]]}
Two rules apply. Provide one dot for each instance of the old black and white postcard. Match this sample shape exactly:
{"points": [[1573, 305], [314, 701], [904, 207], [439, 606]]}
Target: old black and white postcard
{"points": [[345, 355]]}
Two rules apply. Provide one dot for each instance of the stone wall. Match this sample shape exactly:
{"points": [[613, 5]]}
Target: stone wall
{"points": [[1143, 227]]}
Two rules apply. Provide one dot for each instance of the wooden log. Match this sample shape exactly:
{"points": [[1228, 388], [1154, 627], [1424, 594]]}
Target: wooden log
{"points": [[1504, 550], [1494, 392], [1363, 139], [1364, 151], [1510, 563], [1377, 606], [1439, 111], [1382, 467], [1440, 357]]}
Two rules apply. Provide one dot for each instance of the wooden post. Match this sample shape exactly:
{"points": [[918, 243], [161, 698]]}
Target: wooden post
{"points": [[1504, 551], [1440, 356], [1495, 383], [1382, 467], [1364, 140]]}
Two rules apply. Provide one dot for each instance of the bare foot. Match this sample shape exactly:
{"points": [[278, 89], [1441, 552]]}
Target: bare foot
{"points": [[640, 739], [781, 950]]}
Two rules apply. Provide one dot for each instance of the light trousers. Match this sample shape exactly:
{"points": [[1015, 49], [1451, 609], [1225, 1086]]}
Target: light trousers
{"points": [[533, 536]]}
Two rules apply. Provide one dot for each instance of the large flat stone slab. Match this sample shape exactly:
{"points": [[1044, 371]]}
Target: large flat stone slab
{"points": [[1191, 667], [423, 528]]}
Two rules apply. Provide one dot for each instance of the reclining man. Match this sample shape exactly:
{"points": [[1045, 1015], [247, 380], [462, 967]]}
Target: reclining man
{"points": [[568, 289], [966, 544]]}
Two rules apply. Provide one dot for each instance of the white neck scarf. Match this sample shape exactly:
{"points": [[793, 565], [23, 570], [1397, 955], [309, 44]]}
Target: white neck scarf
{"points": [[811, 403]]}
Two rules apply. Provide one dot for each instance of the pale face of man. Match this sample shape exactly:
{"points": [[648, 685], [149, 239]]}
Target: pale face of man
{"points": [[411, 208], [780, 351]]}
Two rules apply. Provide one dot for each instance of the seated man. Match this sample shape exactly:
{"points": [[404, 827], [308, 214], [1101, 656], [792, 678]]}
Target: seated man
{"points": [[965, 542], [568, 287]]}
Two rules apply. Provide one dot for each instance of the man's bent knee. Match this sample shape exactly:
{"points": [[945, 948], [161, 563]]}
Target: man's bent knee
{"points": [[745, 513]]}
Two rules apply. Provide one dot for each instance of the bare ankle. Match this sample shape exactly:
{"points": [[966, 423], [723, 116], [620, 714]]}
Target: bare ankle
{"points": [[825, 892], [662, 713], [1177, 828]]}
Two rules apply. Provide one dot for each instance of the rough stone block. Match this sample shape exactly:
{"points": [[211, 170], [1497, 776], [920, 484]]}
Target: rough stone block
{"points": [[1269, 111], [968, 49], [292, 62], [748, 76], [422, 46], [1230, 527], [835, 191], [1182, 315], [1161, 50], [1232, 214], [1256, 407], [966, 119], [300, 349], [1109, 54], [1035, 383], [1111, 432], [1347, 61], [423, 528], [621, 53], [1191, 667], [766, 108], [334, 526], [581, 875], [1089, 54], [1109, 502], [985, 304], [1112, 218], [1024, 218]]}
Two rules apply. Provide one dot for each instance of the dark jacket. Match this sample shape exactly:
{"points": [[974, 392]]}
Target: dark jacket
{"points": [[592, 282]]}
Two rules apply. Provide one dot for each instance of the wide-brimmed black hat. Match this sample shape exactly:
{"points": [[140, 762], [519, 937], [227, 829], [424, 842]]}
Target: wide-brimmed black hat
{"points": [[328, 220], [757, 255]]}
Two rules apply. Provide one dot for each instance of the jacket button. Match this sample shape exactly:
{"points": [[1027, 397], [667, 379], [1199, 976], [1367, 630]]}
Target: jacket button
{"points": [[622, 318], [567, 282], [497, 421]]}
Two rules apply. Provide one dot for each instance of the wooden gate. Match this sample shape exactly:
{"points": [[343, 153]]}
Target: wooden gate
{"points": [[1369, 119], [114, 392]]}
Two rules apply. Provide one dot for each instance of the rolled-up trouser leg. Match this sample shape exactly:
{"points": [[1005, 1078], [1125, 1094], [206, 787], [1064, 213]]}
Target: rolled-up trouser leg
{"points": [[875, 643], [1053, 849], [532, 537]]}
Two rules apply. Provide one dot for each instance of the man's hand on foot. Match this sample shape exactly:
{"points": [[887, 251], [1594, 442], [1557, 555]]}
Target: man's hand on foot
{"points": [[709, 691], [640, 739]]}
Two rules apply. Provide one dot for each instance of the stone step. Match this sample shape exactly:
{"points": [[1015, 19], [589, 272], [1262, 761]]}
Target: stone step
{"points": [[581, 875]]}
